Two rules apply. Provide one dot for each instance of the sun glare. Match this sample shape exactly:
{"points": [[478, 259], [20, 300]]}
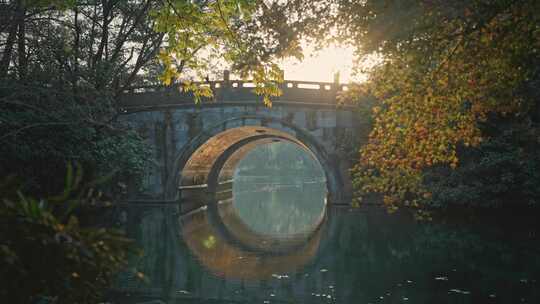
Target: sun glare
{"points": [[322, 65]]}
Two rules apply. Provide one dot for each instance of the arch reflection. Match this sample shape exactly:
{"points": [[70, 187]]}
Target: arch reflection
{"points": [[229, 257], [270, 220], [279, 189]]}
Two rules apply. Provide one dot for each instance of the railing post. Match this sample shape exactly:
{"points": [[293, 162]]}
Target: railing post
{"points": [[335, 87], [226, 85], [282, 85], [336, 79]]}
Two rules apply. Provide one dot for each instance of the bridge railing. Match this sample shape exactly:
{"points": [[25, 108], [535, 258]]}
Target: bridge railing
{"points": [[227, 91]]}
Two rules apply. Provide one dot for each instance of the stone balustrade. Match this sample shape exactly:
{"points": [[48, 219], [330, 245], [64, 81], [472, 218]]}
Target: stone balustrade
{"points": [[233, 91]]}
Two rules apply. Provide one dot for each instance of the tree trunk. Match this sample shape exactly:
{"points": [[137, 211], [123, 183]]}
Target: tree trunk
{"points": [[8, 49], [21, 45], [76, 51]]}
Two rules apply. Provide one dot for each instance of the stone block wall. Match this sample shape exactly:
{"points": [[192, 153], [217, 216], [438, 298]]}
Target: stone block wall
{"points": [[174, 131]]}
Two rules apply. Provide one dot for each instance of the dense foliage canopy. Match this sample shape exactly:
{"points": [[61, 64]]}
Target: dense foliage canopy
{"points": [[249, 36], [446, 69], [63, 66]]}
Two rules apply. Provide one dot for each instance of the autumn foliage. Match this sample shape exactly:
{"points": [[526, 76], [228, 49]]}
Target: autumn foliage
{"points": [[442, 75]]}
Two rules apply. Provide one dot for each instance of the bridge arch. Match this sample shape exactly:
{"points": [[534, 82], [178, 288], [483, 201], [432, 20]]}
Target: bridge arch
{"points": [[198, 165]]}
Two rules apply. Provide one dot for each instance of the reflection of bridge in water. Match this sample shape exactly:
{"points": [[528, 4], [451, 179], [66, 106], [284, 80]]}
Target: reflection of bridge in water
{"points": [[263, 187], [270, 187], [253, 179], [252, 184]]}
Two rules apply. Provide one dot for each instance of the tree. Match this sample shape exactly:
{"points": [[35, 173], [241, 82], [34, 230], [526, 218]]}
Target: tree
{"points": [[248, 35], [446, 68], [60, 86]]}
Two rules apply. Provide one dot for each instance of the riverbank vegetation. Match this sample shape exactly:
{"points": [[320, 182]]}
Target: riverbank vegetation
{"points": [[63, 65], [53, 250]]}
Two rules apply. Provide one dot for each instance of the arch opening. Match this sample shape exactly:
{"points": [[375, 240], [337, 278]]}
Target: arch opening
{"points": [[201, 177]]}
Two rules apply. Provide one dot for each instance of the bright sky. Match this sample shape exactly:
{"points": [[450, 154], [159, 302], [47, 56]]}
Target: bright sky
{"points": [[321, 65], [318, 66]]}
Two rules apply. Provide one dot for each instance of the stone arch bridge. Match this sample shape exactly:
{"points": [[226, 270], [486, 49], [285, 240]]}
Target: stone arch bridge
{"points": [[196, 146]]}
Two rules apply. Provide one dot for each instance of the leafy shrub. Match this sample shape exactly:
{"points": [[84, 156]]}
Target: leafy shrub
{"points": [[503, 171], [48, 255], [42, 128]]}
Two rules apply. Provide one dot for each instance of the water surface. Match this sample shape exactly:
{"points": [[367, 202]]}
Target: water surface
{"points": [[276, 240]]}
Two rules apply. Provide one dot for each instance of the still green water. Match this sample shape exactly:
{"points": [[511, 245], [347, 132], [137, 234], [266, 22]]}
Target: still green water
{"points": [[356, 256], [276, 242]]}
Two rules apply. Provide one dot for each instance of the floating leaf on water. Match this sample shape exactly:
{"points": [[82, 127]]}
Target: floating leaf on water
{"points": [[441, 278], [459, 291]]}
